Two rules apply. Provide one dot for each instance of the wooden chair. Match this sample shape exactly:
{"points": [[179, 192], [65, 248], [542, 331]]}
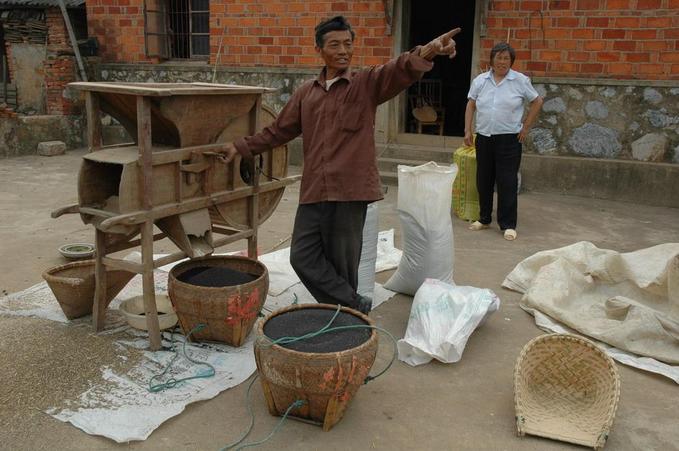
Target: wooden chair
{"points": [[426, 104]]}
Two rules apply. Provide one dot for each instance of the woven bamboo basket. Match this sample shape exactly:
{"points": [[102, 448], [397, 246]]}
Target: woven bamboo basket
{"points": [[229, 312], [73, 285], [565, 388], [327, 382]]}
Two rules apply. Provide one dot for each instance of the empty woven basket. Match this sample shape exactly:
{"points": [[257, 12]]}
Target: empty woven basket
{"points": [[565, 388]]}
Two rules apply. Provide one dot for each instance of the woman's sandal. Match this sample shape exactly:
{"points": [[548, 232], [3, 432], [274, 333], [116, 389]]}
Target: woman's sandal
{"points": [[510, 234], [476, 225]]}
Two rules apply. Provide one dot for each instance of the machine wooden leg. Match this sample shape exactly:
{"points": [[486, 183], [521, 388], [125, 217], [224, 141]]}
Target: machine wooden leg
{"points": [[148, 285], [99, 302]]}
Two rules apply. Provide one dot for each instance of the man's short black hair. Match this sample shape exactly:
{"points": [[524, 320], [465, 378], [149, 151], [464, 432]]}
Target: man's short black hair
{"points": [[337, 23], [502, 47]]}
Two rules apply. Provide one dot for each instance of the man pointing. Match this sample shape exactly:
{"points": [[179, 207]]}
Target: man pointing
{"points": [[335, 114]]}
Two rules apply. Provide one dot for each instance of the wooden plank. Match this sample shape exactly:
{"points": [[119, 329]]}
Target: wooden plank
{"points": [[96, 212], [149, 288], [120, 155], [144, 144], [99, 301], [123, 264], [253, 201], [170, 89], [179, 255], [162, 211], [185, 153], [133, 243], [74, 42], [94, 136], [224, 230]]}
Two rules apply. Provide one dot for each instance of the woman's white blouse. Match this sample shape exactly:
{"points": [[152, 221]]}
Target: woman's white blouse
{"points": [[500, 107]]}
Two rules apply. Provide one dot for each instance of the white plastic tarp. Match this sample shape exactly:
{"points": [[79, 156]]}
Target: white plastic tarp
{"points": [[123, 409], [630, 301]]}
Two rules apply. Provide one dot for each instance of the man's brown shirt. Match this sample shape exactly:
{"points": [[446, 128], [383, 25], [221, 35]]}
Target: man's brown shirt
{"points": [[337, 128]]}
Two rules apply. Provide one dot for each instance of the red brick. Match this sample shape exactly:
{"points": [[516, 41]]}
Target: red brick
{"points": [[570, 22], [592, 68], [620, 68], [551, 55], [286, 60], [612, 33], [608, 56], [658, 22], [655, 69], [530, 5], [637, 57], [649, 4], [627, 46], [578, 56], [540, 66], [595, 45], [669, 57], [655, 46], [583, 33], [588, 4], [618, 4], [559, 4], [627, 22], [644, 34]]}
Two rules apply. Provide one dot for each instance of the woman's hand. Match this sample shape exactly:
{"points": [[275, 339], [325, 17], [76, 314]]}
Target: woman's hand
{"points": [[523, 134], [468, 139]]}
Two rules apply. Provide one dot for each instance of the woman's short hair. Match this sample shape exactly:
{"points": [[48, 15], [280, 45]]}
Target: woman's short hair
{"points": [[502, 47], [337, 23]]}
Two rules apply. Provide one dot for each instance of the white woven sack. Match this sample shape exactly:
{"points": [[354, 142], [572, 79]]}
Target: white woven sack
{"points": [[366, 267], [424, 200]]}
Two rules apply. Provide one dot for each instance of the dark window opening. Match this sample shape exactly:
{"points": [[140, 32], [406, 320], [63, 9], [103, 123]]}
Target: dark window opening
{"points": [[177, 28], [448, 82]]}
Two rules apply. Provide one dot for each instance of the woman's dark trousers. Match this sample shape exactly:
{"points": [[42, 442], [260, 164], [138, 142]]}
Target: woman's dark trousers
{"points": [[498, 158]]}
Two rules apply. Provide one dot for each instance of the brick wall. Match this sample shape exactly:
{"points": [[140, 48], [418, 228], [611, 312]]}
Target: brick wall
{"points": [[118, 26], [60, 66], [10, 60], [619, 39], [281, 33], [252, 32]]}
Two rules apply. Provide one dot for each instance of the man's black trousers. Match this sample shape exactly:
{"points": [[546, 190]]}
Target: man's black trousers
{"points": [[326, 249], [498, 158]]}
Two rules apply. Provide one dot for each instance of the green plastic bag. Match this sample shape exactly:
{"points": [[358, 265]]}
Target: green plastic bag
{"points": [[465, 195]]}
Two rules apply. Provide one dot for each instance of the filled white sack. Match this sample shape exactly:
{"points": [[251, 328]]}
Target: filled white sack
{"points": [[424, 203], [442, 318], [366, 267]]}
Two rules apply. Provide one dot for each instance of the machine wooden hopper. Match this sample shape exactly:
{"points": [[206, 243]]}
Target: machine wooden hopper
{"points": [[172, 177]]}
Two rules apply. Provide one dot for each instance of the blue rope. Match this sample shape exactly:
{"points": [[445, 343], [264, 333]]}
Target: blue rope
{"points": [[327, 329], [299, 403], [172, 382]]}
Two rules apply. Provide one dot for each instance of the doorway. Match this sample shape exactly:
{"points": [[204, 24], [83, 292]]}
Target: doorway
{"points": [[443, 91]]}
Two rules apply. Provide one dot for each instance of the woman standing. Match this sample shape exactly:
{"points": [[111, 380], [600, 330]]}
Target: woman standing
{"points": [[498, 97]]}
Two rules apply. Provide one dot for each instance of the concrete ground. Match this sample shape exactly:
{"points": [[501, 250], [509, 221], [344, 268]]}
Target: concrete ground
{"points": [[467, 405]]}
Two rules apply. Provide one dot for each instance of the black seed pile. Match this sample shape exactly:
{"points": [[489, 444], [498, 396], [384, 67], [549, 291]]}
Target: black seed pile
{"points": [[215, 276], [300, 322]]}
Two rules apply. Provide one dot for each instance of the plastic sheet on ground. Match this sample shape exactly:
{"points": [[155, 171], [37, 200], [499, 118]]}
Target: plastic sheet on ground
{"points": [[628, 301], [123, 409]]}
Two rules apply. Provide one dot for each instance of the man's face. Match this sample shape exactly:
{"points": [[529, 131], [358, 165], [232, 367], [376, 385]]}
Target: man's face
{"points": [[338, 48]]}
